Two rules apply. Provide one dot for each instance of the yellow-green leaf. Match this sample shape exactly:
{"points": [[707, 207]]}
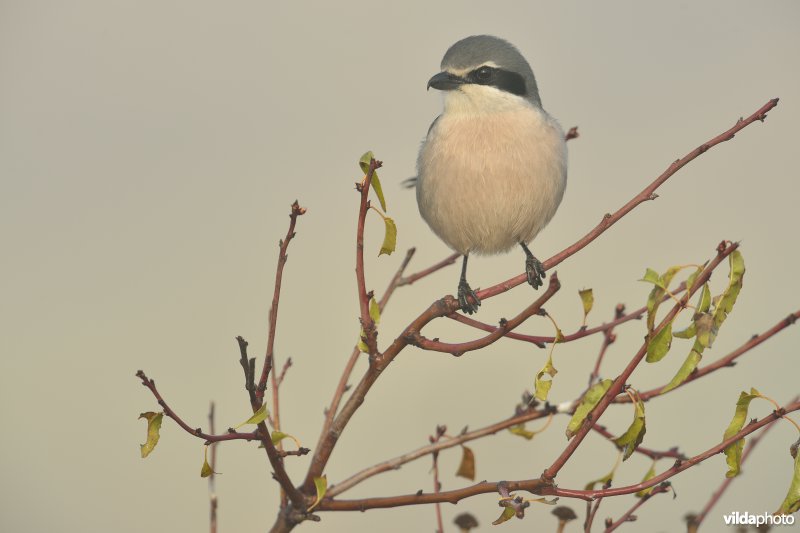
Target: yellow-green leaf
{"points": [[692, 277], [278, 436], [259, 416], [588, 402], [389, 238], [647, 477], [704, 329], [660, 344], [791, 504], [466, 468], [321, 484], [686, 369], [542, 386], [206, 470], [374, 311], [587, 299], [508, 514], [733, 453], [520, 431], [603, 480], [361, 344], [705, 299], [629, 440], [364, 163], [728, 298], [660, 287], [153, 428]]}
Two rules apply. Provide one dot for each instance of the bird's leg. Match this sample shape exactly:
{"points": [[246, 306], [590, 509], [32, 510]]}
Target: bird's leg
{"points": [[465, 291], [533, 268]]}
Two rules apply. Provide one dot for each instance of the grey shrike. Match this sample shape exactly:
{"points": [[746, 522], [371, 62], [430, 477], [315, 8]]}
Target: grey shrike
{"points": [[493, 168]]}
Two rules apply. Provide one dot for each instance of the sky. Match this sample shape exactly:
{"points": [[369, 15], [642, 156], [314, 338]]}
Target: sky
{"points": [[149, 153]]}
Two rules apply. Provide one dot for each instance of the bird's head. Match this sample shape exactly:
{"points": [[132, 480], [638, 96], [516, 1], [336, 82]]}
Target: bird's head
{"points": [[484, 74]]}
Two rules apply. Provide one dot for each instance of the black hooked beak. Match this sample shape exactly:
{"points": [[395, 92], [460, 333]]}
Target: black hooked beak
{"points": [[445, 81]]}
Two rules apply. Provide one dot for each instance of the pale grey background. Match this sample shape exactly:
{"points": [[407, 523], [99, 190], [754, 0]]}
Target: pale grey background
{"points": [[148, 155]]}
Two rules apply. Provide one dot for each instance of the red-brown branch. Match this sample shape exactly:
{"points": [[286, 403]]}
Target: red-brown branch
{"points": [[672, 453], [370, 332], [647, 194], [411, 278], [628, 515], [505, 327]]}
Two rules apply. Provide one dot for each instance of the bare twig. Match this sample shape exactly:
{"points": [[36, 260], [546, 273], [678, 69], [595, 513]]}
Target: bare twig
{"points": [[411, 278], [437, 486], [672, 453], [212, 491], [505, 327], [608, 339], [628, 516]]}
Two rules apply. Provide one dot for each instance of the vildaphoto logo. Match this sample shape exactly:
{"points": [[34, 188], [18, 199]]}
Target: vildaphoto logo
{"points": [[748, 519]]}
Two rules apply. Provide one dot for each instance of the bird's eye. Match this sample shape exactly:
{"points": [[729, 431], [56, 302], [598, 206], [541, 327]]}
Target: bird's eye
{"points": [[484, 74]]}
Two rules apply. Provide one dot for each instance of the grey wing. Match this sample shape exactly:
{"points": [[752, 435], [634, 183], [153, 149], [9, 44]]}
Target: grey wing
{"points": [[410, 183]]}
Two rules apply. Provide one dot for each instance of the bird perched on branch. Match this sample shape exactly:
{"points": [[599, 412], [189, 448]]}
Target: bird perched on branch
{"points": [[493, 167]]}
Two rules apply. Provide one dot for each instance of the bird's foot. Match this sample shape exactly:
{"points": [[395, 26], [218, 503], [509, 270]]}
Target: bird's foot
{"points": [[535, 272], [465, 292]]}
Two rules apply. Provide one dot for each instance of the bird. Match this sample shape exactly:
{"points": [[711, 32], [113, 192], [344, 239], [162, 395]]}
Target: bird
{"points": [[492, 169]]}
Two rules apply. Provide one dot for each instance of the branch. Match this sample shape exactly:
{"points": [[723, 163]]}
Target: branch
{"points": [[370, 333], [212, 493], [723, 250], [397, 462], [647, 194], [506, 326], [727, 361], [196, 432], [608, 340], [628, 516], [447, 261]]}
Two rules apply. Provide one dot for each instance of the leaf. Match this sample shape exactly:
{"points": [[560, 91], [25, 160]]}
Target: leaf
{"points": [[278, 436], [588, 402], [587, 299], [660, 344], [206, 470], [508, 514], [520, 431], [603, 480], [686, 369], [542, 386], [153, 428], [647, 477], [259, 416], [467, 467], [728, 298], [791, 504], [321, 484], [733, 453], [704, 329], [375, 183], [692, 277], [374, 311], [661, 285], [389, 238], [632, 438], [361, 344]]}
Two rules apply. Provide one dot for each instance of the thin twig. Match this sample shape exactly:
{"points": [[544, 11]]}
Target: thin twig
{"points": [[628, 516], [672, 453], [505, 327], [212, 491], [608, 339], [367, 324], [411, 278]]}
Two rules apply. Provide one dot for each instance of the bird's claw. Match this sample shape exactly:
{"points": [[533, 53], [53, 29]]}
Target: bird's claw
{"points": [[535, 272], [464, 293]]}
